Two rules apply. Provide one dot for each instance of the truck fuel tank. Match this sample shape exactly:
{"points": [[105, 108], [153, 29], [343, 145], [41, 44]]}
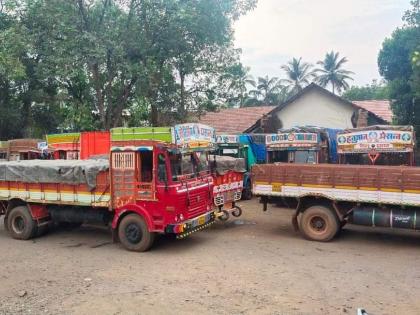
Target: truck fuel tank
{"points": [[392, 217]]}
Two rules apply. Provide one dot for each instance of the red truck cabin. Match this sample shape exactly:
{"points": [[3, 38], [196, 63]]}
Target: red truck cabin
{"points": [[169, 188]]}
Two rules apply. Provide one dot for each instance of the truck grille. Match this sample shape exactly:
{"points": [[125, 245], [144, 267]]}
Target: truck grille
{"points": [[198, 201]]}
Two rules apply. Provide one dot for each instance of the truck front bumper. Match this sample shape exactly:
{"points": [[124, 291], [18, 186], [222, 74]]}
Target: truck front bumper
{"points": [[188, 227]]}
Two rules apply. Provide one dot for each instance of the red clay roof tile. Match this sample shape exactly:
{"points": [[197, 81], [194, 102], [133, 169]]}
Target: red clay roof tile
{"points": [[381, 108], [235, 120]]}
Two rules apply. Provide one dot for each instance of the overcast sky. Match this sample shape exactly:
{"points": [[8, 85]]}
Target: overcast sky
{"points": [[278, 30]]}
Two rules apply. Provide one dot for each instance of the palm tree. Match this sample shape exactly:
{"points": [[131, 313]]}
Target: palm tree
{"points": [[239, 79], [333, 73], [299, 74], [268, 90]]}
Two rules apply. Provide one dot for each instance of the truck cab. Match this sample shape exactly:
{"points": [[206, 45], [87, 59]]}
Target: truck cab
{"points": [[301, 145], [167, 183]]}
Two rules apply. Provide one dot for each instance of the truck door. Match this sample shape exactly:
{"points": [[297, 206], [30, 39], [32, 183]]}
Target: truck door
{"points": [[132, 177], [123, 178]]}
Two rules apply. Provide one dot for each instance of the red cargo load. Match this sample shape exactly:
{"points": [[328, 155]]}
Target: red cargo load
{"points": [[94, 143]]}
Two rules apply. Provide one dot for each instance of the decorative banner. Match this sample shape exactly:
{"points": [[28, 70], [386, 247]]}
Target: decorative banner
{"points": [[228, 139], [380, 140], [193, 136], [295, 139]]}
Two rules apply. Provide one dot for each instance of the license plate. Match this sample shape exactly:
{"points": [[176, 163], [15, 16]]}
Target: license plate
{"points": [[201, 220]]}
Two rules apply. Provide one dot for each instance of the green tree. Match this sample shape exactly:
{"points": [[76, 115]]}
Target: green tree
{"points": [[332, 72], [298, 75], [237, 81], [90, 64], [270, 91], [373, 91], [395, 65]]}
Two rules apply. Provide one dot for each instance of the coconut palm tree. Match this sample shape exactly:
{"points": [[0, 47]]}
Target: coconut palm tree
{"points": [[269, 91], [299, 74], [239, 80], [332, 72]]}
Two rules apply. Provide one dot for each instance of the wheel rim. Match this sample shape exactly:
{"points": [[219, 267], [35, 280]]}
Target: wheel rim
{"points": [[133, 233], [18, 224], [318, 224]]}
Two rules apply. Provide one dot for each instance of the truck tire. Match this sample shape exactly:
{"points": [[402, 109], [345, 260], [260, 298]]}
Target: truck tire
{"points": [[134, 234], [319, 223], [20, 224], [237, 212]]}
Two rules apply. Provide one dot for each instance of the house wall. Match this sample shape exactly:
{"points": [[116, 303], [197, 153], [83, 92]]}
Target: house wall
{"points": [[317, 109]]}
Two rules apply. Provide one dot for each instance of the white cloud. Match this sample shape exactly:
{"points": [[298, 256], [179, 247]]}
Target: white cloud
{"points": [[278, 30]]}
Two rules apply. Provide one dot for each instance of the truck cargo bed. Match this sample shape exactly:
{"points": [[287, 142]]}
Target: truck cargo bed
{"points": [[398, 185], [82, 183]]}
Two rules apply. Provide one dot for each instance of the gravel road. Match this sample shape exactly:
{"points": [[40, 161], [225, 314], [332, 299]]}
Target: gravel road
{"points": [[255, 264]]}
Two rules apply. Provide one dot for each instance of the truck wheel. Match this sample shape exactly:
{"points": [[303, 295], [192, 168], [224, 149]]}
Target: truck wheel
{"points": [[134, 234], [224, 215], [237, 212], [20, 224], [319, 223]]}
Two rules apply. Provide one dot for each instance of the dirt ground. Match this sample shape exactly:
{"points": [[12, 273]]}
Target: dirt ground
{"points": [[255, 264]]}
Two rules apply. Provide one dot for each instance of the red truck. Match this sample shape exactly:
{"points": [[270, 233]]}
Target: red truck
{"points": [[228, 176], [150, 187], [326, 197]]}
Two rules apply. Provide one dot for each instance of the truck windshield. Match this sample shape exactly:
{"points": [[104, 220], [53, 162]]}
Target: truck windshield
{"points": [[305, 157], [233, 152], [187, 165]]}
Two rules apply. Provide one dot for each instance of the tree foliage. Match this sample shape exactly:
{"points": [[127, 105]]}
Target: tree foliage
{"points": [[396, 65], [298, 74], [95, 64], [373, 91], [332, 72]]}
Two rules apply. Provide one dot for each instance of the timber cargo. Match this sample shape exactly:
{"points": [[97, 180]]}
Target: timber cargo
{"points": [[326, 197]]}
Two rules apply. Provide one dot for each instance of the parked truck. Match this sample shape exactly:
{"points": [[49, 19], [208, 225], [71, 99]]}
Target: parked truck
{"points": [[377, 145], [239, 146], [147, 187], [228, 177], [326, 196], [64, 146], [26, 149], [302, 145]]}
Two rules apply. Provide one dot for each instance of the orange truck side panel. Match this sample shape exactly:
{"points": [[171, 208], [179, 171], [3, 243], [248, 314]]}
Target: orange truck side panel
{"points": [[56, 193], [94, 143]]}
